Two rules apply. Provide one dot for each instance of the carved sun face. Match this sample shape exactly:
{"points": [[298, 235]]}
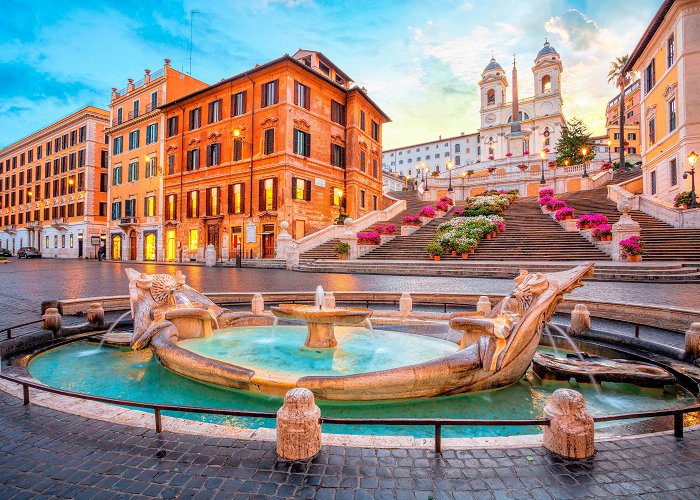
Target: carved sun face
{"points": [[163, 286]]}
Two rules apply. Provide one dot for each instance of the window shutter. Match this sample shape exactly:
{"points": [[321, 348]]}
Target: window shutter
{"points": [[145, 207], [210, 108], [208, 155], [243, 104], [307, 145], [229, 199], [276, 86], [332, 193], [199, 203], [295, 147], [294, 188], [307, 98], [274, 193], [263, 95], [208, 202], [233, 105], [261, 195], [189, 204], [218, 200], [296, 92], [308, 190]]}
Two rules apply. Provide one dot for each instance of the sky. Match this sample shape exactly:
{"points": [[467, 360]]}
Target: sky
{"points": [[419, 60]]}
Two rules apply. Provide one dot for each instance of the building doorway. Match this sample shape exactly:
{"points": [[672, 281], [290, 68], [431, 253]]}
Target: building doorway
{"points": [[268, 241], [80, 246], [213, 237], [171, 245], [149, 247], [237, 240], [117, 247], [132, 245]]}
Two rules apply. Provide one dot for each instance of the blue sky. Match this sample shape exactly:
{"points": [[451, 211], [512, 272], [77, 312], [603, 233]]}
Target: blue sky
{"points": [[420, 60]]}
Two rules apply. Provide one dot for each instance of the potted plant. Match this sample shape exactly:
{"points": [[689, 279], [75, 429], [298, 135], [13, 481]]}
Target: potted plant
{"points": [[490, 157], [434, 249], [428, 212], [342, 249], [632, 248], [526, 152], [465, 246], [369, 238], [442, 206], [565, 213], [411, 220], [390, 229], [553, 205], [683, 199], [448, 200], [603, 232], [606, 166], [491, 169], [546, 192], [522, 167], [458, 212], [509, 154]]}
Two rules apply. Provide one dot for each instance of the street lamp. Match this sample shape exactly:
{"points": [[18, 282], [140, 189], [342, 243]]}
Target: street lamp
{"points": [[609, 151], [543, 155], [426, 169], [449, 165], [584, 152], [692, 159], [407, 177]]}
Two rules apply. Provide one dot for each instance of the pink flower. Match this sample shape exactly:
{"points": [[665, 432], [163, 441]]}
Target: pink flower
{"points": [[602, 231], [509, 154], [555, 204], [447, 199], [442, 206], [632, 246], [546, 192], [427, 212], [371, 237], [501, 226], [591, 220], [563, 213], [544, 200], [526, 152], [412, 220], [490, 157]]}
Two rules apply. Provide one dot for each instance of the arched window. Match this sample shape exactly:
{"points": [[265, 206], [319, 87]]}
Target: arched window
{"points": [[546, 136], [490, 96], [546, 84]]}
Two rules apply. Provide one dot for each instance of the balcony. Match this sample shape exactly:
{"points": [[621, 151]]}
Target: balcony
{"points": [[59, 223], [35, 224], [10, 229], [126, 222]]}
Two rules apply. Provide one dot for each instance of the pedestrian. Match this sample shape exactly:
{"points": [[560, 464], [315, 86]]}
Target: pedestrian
{"points": [[101, 252]]}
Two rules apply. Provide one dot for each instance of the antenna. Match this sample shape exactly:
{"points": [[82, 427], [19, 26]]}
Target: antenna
{"points": [[192, 13]]}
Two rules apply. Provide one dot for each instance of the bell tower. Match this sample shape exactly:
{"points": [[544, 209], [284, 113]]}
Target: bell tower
{"points": [[547, 72]]}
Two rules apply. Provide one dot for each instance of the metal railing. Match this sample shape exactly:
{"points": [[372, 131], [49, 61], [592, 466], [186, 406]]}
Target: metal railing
{"points": [[9, 329]]}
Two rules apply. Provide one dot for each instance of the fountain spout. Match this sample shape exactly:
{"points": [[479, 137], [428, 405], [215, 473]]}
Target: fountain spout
{"points": [[318, 299]]}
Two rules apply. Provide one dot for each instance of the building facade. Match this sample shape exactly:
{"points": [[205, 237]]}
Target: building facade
{"points": [[53, 187], [136, 137], [290, 140], [633, 109], [668, 60]]}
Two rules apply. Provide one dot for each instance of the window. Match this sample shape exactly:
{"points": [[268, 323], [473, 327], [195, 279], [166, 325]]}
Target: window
{"points": [[652, 131], [238, 103], [337, 112], [649, 77], [670, 51], [269, 141], [673, 172], [195, 115], [375, 202], [133, 139], [193, 240], [213, 201], [135, 111], [337, 156], [236, 195], [73, 137], [617, 136], [458, 160], [104, 158], [149, 206], [116, 175], [672, 115], [82, 134], [632, 136], [171, 207], [117, 146], [64, 141], [301, 189], [57, 144], [120, 115], [151, 133], [30, 155], [104, 180], [172, 126], [116, 210], [546, 84], [213, 154], [269, 94], [193, 204], [38, 152], [133, 171], [362, 120], [103, 209], [81, 158], [193, 159], [154, 100], [375, 131], [302, 95], [81, 181], [362, 198], [490, 97], [267, 199], [302, 143], [632, 151], [653, 182], [437, 155], [375, 168], [456, 148], [215, 111], [151, 166], [171, 164], [336, 196], [363, 161]]}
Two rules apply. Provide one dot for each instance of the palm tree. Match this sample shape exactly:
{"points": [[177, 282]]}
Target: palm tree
{"points": [[618, 77]]}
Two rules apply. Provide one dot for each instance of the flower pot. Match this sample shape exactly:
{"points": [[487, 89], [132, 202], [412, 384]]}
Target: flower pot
{"points": [[606, 238], [391, 233], [567, 217], [472, 250], [489, 236], [454, 253], [436, 257], [684, 206], [343, 256], [635, 258], [586, 226], [494, 234], [465, 255]]}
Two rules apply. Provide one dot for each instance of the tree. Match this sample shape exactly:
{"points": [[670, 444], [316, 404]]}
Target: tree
{"points": [[574, 137], [617, 76]]}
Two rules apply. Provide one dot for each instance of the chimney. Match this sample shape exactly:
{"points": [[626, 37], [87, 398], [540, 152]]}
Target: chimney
{"points": [[130, 86], [114, 93], [167, 62], [147, 76]]}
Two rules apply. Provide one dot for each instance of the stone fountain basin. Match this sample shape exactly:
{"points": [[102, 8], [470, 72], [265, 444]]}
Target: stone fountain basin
{"points": [[312, 314]]}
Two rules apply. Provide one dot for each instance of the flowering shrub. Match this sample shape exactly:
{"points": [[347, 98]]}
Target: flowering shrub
{"points": [[684, 198], [434, 248], [501, 226], [369, 238], [442, 206], [522, 167], [602, 231], [459, 212], [526, 152], [606, 166], [491, 169], [545, 199], [555, 204], [546, 192], [490, 157], [463, 232], [427, 212], [390, 228], [383, 229], [632, 246], [591, 220], [448, 200], [552, 164], [411, 220], [509, 154], [564, 213]]}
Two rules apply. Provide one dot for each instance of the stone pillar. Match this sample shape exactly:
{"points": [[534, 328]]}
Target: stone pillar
{"points": [[328, 300], [210, 256], [283, 240], [580, 319], [292, 258], [692, 343], [623, 228], [405, 304], [257, 305], [96, 314], [350, 238], [52, 320], [570, 432], [298, 426], [483, 305]]}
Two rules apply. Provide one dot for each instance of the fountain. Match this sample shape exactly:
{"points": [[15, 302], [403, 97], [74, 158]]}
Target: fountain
{"points": [[321, 321]]}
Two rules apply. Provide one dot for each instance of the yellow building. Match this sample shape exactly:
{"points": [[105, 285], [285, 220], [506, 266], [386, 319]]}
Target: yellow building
{"points": [[668, 59]]}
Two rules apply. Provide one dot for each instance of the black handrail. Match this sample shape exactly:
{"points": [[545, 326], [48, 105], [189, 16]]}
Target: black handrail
{"points": [[10, 328]]}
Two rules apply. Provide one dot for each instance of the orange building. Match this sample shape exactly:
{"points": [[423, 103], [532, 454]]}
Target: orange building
{"points": [[53, 187], [633, 115], [135, 225], [289, 140]]}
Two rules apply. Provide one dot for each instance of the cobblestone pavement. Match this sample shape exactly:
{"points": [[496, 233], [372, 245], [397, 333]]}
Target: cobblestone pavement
{"points": [[25, 283], [51, 454]]}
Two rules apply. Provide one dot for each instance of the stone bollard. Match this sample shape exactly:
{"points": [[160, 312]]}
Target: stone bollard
{"points": [[96, 314], [328, 300], [405, 304], [257, 305], [692, 343], [570, 432], [483, 306], [298, 426], [283, 240], [580, 319], [210, 256], [292, 256], [52, 320]]}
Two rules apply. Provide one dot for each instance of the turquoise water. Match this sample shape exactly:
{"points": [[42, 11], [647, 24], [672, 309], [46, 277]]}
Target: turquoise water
{"points": [[137, 375], [280, 351]]}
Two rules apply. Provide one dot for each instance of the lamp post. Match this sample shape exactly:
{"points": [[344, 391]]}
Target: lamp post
{"points": [[609, 151], [543, 155], [584, 152], [449, 165], [426, 169], [692, 159], [407, 178]]}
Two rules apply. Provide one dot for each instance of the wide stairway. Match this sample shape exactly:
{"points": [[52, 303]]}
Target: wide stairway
{"points": [[413, 207]]}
